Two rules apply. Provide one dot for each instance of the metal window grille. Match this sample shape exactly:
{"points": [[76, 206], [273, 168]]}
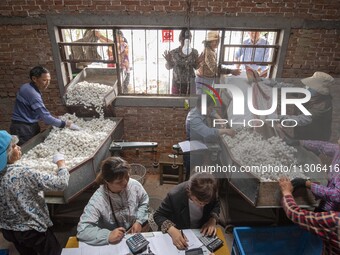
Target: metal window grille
{"points": [[239, 50], [145, 67]]}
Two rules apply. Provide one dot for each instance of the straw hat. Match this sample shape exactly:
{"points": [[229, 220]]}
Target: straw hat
{"points": [[320, 82], [212, 36]]}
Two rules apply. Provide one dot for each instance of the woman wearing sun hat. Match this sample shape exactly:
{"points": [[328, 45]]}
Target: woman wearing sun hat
{"points": [[24, 214], [318, 125], [208, 67]]}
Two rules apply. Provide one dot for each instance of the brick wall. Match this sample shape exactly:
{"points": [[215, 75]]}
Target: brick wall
{"points": [[163, 125], [312, 50], [166, 126], [308, 9], [23, 46]]}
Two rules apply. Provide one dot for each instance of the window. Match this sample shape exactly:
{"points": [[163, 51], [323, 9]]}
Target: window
{"points": [[84, 47], [137, 54], [256, 49]]}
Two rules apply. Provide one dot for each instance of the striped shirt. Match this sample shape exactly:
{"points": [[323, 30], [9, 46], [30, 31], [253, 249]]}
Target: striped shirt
{"points": [[330, 194], [323, 224]]}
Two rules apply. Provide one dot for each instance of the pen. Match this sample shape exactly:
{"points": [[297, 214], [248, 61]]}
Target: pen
{"points": [[127, 231]]}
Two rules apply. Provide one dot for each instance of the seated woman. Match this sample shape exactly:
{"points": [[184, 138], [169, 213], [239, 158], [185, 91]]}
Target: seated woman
{"points": [[191, 204], [119, 204]]}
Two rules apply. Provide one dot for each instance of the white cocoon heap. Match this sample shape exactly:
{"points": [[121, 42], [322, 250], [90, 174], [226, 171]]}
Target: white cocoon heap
{"points": [[250, 149], [90, 95], [75, 145]]}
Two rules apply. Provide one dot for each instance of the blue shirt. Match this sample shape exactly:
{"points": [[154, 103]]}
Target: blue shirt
{"points": [[246, 54], [29, 107], [197, 128]]}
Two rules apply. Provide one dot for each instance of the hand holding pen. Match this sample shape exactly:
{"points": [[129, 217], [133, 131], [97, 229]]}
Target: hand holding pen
{"points": [[116, 235], [178, 238]]}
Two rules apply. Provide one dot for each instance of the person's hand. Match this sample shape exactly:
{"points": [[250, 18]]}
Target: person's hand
{"points": [[264, 73], [136, 228], [179, 240], [235, 72], [299, 183], [200, 58], [291, 142], [209, 228], [227, 131], [59, 159], [74, 127], [285, 186], [116, 235], [231, 132], [167, 56]]}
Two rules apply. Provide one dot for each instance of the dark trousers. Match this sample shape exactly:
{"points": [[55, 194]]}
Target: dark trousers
{"points": [[32, 242], [24, 131]]}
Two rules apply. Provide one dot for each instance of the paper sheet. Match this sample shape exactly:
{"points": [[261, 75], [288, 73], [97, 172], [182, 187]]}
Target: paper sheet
{"points": [[162, 242], [194, 145], [71, 251], [159, 243], [120, 248]]}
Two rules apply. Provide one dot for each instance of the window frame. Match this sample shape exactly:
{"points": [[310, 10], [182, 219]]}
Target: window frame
{"points": [[168, 21], [274, 47]]}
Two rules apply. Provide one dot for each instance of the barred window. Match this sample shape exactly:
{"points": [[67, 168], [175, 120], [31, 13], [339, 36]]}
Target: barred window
{"points": [[137, 54], [256, 49]]}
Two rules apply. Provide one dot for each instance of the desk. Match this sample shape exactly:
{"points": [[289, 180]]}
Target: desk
{"points": [[158, 243], [167, 173]]}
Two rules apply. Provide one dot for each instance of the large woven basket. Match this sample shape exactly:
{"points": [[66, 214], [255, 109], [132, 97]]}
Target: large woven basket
{"points": [[138, 172]]}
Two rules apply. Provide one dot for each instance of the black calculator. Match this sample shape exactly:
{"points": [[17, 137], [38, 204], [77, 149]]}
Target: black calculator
{"points": [[212, 243], [137, 243]]}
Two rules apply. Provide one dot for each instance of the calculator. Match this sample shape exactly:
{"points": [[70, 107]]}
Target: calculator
{"points": [[212, 243], [137, 243], [195, 251]]}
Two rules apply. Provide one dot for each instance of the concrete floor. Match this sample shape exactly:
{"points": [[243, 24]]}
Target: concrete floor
{"points": [[67, 216]]}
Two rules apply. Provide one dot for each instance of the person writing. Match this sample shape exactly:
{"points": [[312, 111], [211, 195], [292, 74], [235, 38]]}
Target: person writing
{"points": [[330, 194], [191, 204], [120, 204], [253, 54], [24, 214], [183, 60], [29, 107], [324, 224], [208, 68]]}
